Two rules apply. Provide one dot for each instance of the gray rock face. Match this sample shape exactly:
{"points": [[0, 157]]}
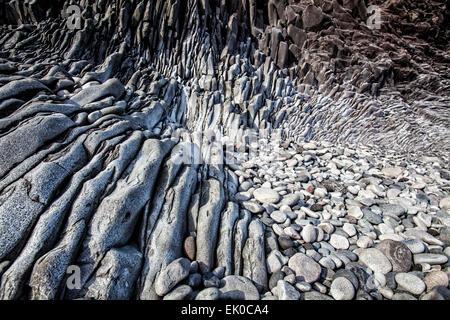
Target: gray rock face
{"points": [[430, 258], [224, 252], [20, 88], [31, 135], [266, 195], [208, 223], [143, 136], [238, 288], [171, 275]]}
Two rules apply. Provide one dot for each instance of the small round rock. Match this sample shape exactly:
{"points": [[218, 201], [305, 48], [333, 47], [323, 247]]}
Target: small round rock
{"points": [[410, 282], [342, 289]]}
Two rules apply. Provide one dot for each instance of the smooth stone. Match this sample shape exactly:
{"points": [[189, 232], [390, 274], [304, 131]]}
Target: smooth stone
{"points": [[305, 268], [314, 295], [309, 233], [402, 296], [375, 260], [349, 229], [208, 294], [266, 195], [286, 291], [398, 254], [350, 276], [364, 242], [424, 236], [339, 242], [430, 258], [278, 216], [238, 288], [285, 242], [410, 283], [194, 280], [342, 289], [179, 293], [392, 209], [189, 247], [171, 275], [415, 245], [435, 279]]}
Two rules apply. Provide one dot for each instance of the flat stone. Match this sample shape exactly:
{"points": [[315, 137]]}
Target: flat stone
{"points": [[415, 245], [314, 295], [275, 261], [339, 242], [253, 207], [430, 258], [238, 288], [278, 216], [266, 195], [189, 247], [392, 172], [392, 209], [309, 233], [375, 260], [179, 293], [422, 235], [305, 268], [208, 294], [342, 289], [410, 283]]}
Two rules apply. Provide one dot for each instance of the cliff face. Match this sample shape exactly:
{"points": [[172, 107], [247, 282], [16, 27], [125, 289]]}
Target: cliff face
{"points": [[106, 105]]}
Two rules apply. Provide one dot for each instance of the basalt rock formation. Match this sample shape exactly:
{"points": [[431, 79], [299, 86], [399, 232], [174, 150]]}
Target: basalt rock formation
{"points": [[128, 132]]}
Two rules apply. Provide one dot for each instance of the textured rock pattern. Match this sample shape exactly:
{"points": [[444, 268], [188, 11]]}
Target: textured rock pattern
{"points": [[112, 158]]}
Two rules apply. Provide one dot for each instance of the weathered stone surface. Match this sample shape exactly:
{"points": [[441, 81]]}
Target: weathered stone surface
{"points": [[253, 255], [266, 195], [116, 276], [410, 283], [171, 275], [398, 254], [305, 267], [238, 288], [375, 260], [224, 252]]}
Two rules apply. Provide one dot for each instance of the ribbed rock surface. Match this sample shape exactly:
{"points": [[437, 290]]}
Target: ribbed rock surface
{"points": [[113, 158]]}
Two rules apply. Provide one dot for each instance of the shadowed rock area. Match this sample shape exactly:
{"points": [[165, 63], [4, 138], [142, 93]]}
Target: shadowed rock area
{"points": [[212, 149]]}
